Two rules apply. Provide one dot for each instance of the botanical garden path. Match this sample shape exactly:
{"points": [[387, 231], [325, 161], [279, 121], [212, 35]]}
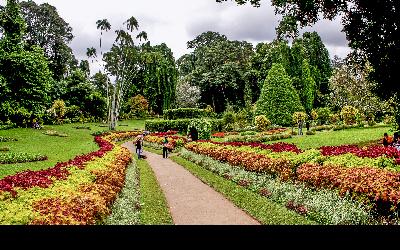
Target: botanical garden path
{"points": [[192, 202]]}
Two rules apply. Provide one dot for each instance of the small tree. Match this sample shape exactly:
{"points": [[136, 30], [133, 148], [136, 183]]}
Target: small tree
{"points": [[349, 115], [299, 118], [59, 110], [262, 123], [139, 106], [323, 115], [278, 100]]}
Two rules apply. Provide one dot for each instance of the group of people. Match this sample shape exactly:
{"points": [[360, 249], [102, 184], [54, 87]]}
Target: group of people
{"points": [[391, 141], [139, 146]]}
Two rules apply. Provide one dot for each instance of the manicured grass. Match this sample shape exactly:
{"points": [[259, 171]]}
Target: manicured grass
{"points": [[57, 149], [336, 138], [154, 207], [154, 151], [262, 209]]}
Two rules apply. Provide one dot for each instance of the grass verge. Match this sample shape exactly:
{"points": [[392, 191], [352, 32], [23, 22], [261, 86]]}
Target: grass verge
{"points": [[154, 207], [125, 210], [154, 151], [265, 211]]}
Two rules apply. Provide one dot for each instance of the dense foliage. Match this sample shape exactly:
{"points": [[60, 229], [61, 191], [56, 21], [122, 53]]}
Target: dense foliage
{"points": [[182, 113], [278, 100]]}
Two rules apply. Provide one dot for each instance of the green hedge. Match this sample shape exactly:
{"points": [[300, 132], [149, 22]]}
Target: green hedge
{"points": [[180, 125], [184, 113]]}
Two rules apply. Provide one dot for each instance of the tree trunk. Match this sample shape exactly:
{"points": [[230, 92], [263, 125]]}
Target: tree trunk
{"points": [[113, 111]]}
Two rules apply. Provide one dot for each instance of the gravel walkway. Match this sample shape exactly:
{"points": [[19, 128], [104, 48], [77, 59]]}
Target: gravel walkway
{"points": [[192, 202]]}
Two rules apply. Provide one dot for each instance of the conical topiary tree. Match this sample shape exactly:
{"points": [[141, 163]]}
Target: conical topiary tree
{"points": [[279, 99]]}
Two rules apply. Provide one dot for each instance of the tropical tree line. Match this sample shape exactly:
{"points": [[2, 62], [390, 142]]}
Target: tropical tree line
{"points": [[274, 79], [40, 74]]}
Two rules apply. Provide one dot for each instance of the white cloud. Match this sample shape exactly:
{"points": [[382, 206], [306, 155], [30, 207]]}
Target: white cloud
{"points": [[175, 22]]}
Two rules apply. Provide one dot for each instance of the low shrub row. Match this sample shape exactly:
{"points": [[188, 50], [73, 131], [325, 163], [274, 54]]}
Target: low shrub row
{"points": [[184, 113], [7, 139], [11, 158], [180, 125]]}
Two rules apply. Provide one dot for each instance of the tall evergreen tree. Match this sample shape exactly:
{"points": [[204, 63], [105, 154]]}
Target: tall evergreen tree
{"points": [[279, 99]]}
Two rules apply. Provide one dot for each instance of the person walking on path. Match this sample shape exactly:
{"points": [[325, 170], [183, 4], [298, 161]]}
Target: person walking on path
{"points": [[139, 145], [165, 147]]}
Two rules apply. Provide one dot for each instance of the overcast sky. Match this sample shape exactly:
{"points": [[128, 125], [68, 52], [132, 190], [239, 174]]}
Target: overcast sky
{"points": [[175, 22]]}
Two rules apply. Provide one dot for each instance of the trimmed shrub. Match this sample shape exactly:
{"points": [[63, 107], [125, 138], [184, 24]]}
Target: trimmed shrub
{"points": [[278, 99], [323, 115], [185, 113], [180, 125], [228, 120], [203, 128], [262, 123]]}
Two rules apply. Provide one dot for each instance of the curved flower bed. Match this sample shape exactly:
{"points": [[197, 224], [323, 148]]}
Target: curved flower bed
{"points": [[79, 191], [374, 186]]}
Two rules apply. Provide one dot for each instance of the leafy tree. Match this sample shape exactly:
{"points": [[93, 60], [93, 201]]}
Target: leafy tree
{"points": [[81, 93], [218, 67], [371, 28], [121, 62], [350, 86], [187, 96], [278, 100], [307, 93], [25, 77], [46, 29], [138, 106], [101, 82], [85, 67]]}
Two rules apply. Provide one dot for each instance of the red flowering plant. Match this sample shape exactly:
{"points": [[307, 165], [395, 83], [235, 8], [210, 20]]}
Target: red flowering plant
{"points": [[275, 147], [219, 135], [370, 152]]}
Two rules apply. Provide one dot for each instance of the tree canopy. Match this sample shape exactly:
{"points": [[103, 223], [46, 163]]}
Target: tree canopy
{"points": [[371, 27]]}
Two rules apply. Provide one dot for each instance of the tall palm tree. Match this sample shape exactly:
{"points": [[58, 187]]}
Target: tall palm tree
{"points": [[91, 53], [103, 25]]}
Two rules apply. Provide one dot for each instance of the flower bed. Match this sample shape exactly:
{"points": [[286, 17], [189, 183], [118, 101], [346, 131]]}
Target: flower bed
{"points": [[276, 147], [377, 187], [79, 191], [323, 205], [258, 138], [370, 152], [173, 141], [218, 135]]}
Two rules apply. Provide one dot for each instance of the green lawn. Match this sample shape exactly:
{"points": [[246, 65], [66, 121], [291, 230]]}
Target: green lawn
{"points": [[154, 207], [262, 209], [58, 149], [336, 138]]}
